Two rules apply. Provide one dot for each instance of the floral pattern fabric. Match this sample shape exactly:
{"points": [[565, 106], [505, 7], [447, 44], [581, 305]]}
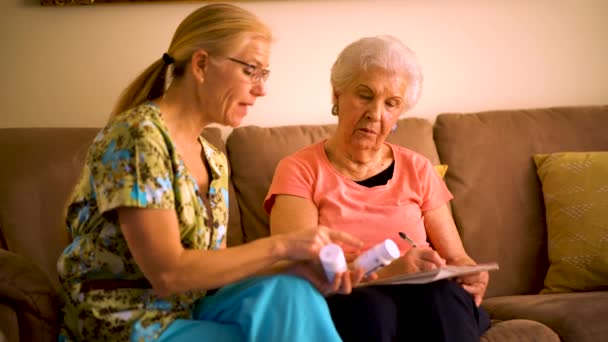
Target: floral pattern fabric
{"points": [[134, 163]]}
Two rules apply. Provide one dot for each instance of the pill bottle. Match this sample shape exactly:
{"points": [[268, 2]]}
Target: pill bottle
{"points": [[333, 261], [378, 256]]}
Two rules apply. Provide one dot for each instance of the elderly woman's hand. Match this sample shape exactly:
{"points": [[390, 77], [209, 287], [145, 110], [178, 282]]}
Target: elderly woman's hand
{"points": [[475, 284], [420, 259], [415, 260]]}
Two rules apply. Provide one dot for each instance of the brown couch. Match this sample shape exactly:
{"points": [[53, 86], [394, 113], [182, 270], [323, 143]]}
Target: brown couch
{"points": [[498, 208]]}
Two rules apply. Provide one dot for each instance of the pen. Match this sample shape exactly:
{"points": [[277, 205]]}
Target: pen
{"points": [[406, 238]]}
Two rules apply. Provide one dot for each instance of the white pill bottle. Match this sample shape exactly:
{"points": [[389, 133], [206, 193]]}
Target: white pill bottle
{"points": [[378, 256], [333, 261]]}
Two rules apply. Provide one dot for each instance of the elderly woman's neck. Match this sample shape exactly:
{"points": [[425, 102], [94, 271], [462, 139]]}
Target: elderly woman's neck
{"points": [[357, 163]]}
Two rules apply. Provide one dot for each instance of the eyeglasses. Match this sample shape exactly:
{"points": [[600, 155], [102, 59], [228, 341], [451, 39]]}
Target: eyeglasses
{"points": [[254, 72]]}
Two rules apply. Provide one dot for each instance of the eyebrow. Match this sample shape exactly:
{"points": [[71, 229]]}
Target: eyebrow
{"points": [[260, 65], [368, 88], [255, 62], [363, 87]]}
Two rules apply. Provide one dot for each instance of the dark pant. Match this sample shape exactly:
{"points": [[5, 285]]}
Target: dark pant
{"points": [[438, 311]]}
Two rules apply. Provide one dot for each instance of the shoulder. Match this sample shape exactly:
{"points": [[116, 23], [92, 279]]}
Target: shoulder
{"points": [[143, 121], [306, 155], [412, 157], [306, 163], [141, 125]]}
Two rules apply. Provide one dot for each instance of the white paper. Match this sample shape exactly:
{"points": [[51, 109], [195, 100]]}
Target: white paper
{"points": [[425, 277]]}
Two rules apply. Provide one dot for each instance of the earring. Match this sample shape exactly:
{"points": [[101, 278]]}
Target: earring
{"points": [[394, 128], [334, 110]]}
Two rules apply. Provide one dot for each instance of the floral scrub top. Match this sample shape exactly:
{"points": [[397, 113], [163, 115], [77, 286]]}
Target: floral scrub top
{"points": [[133, 163]]}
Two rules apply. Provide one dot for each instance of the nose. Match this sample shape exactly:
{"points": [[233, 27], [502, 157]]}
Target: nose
{"points": [[374, 113], [259, 88]]}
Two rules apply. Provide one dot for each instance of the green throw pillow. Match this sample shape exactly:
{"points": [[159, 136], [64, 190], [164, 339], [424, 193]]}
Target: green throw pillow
{"points": [[575, 189], [441, 169]]}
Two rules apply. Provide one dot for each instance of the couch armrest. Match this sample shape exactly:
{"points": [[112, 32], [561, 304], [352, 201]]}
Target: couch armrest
{"points": [[28, 290]]}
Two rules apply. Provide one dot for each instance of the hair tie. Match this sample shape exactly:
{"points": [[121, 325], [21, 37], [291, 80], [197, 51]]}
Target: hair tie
{"points": [[168, 59]]}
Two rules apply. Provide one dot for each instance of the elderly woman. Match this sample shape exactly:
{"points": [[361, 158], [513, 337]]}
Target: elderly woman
{"points": [[148, 217], [358, 183]]}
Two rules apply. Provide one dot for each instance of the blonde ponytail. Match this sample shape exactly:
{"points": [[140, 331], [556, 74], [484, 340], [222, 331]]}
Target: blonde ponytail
{"points": [[216, 28], [148, 85]]}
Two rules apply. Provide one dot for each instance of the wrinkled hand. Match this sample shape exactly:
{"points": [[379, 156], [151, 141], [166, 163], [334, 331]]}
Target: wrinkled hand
{"points": [[305, 244], [475, 284], [415, 260], [343, 282]]}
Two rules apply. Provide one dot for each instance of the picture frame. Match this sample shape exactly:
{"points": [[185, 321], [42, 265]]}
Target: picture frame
{"points": [[92, 2]]}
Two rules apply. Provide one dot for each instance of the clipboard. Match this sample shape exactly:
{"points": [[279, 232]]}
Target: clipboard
{"points": [[425, 277]]}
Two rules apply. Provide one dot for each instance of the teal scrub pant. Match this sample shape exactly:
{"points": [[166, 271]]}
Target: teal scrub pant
{"points": [[272, 308]]}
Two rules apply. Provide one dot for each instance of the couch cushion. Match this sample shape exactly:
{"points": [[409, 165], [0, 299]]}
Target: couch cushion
{"points": [[39, 168], [31, 294], [576, 317], [254, 153], [498, 204], [9, 326], [575, 189], [520, 330]]}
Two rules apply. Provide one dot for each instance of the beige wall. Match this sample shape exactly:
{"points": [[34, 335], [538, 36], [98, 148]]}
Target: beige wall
{"points": [[66, 66]]}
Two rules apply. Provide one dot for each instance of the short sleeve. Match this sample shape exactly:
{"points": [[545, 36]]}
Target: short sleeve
{"points": [[433, 190], [291, 177], [131, 167]]}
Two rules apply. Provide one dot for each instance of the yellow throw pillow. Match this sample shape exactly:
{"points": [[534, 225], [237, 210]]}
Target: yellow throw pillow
{"points": [[441, 169], [575, 189]]}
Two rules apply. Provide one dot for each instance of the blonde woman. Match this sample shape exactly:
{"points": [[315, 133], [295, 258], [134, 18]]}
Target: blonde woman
{"points": [[148, 217]]}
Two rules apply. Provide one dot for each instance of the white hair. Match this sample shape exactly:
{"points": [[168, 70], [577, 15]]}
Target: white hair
{"points": [[385, 52]]}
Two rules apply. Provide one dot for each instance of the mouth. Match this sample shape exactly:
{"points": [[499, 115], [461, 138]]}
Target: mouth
{"points": [[367, 130], [244, 107]]}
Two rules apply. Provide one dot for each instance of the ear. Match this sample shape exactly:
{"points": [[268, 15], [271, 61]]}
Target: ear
{"points": [[198, 64], [334, 98]]}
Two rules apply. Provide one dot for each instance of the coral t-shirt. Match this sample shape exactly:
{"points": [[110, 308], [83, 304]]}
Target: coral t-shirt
{"points": [[372, 214]]}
